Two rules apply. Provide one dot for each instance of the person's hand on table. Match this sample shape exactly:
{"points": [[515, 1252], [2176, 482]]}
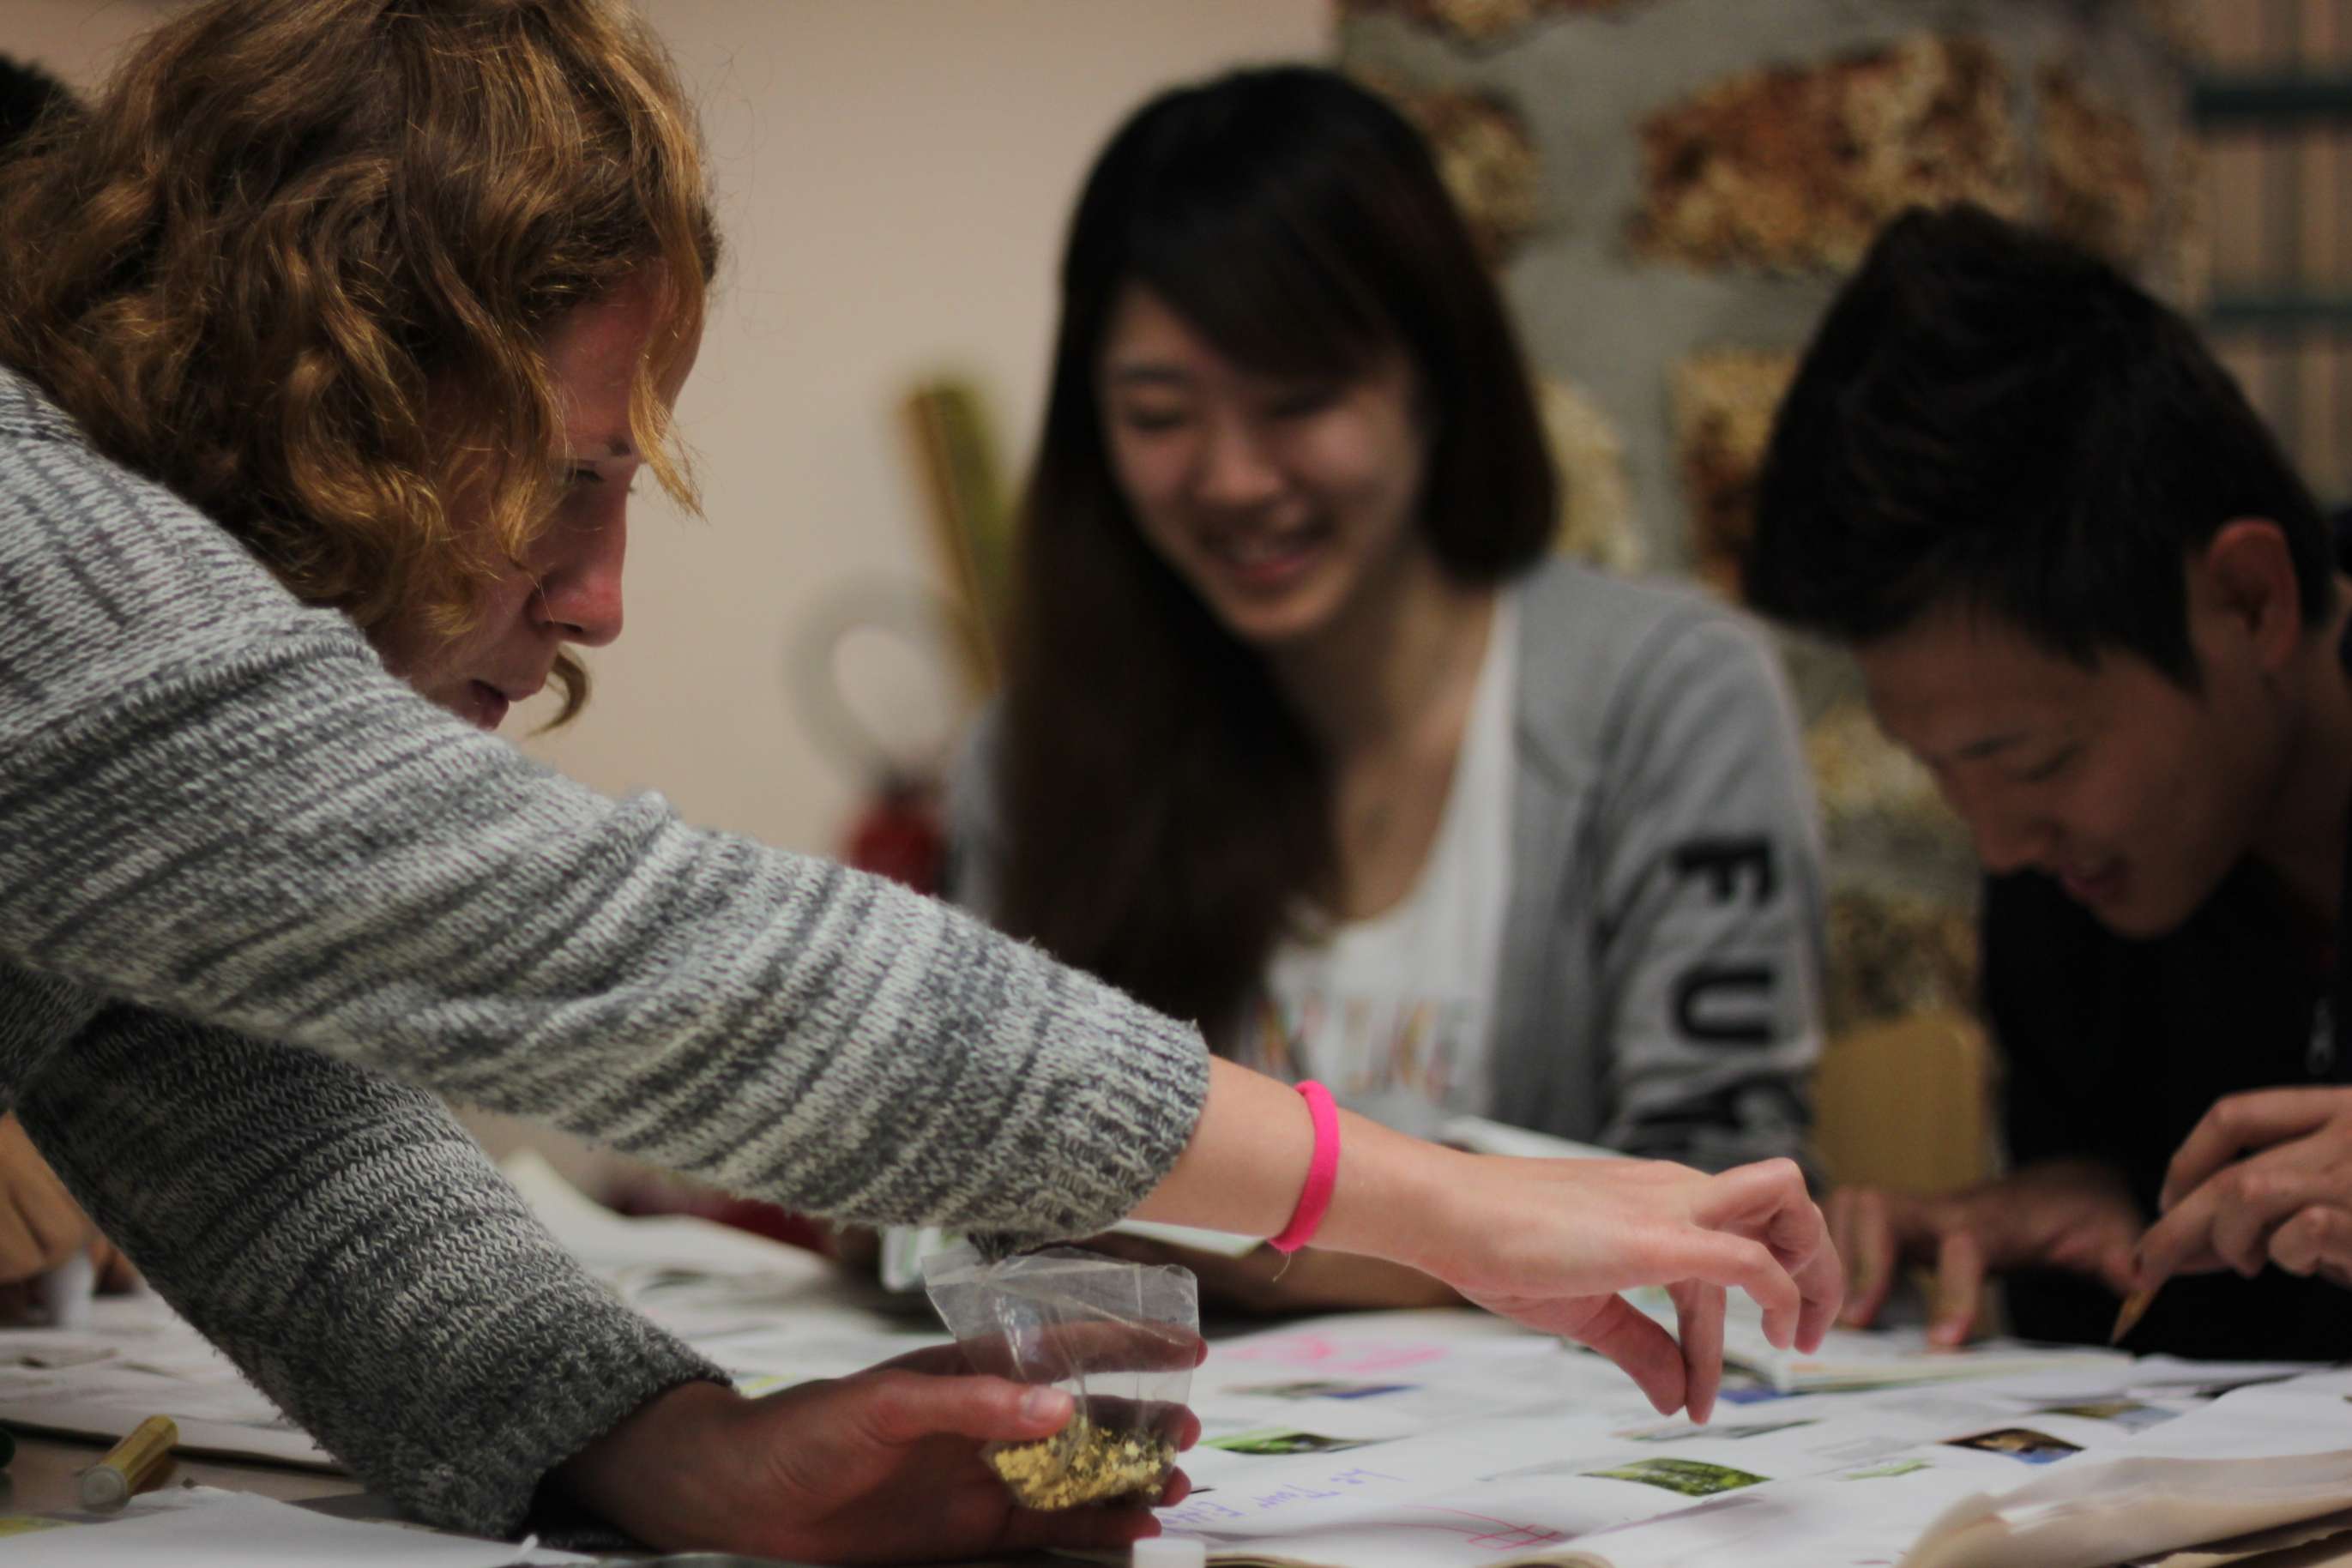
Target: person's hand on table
{"points": [[1264, 1284], [2075, 1215], [2265, 1177], [1550, 1243], [41, 1226], [880, 1467]]}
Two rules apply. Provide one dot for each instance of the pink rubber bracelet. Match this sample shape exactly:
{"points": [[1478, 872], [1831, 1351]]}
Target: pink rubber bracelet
{"points": [[1322, 1172]]}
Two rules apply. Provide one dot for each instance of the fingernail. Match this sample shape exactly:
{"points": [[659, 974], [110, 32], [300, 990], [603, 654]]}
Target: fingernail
{"points": [[1045, 1404]]}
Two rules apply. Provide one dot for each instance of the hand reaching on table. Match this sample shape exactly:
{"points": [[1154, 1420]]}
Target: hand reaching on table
{"points": [[2075, 1215], [1548, 1242], [1551, 1243], [41, 1226]]}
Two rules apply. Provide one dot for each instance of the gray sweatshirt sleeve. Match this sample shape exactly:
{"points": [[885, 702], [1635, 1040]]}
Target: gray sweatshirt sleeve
{"points": [[216, 802], [1710, 901], [343, 1239]]}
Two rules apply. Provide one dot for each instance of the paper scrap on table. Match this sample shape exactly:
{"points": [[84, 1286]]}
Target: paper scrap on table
{"points": [[1850, 1359], [137, 1357], [202, 1527]]}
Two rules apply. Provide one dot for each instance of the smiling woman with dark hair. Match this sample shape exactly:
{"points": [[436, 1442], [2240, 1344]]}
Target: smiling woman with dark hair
{"points": [[1306, 734]]}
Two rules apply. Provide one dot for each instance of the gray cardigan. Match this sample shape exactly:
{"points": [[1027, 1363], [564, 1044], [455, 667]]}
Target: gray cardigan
{"points": [[1659, 988], [1662, 959], [218, 813]]}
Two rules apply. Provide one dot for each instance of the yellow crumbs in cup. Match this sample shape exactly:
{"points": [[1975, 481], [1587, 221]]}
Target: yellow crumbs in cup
{"points": [[1083, 1463]]}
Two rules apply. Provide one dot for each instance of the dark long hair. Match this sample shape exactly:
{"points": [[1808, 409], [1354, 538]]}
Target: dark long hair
{"points": [[1166, 809]]}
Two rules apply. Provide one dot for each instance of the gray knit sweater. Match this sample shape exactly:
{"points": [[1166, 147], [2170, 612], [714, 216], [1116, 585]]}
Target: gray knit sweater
{"points": [[218, 813]]}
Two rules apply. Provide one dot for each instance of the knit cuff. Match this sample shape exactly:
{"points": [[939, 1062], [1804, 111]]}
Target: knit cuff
{"points": [[554, 1404]]}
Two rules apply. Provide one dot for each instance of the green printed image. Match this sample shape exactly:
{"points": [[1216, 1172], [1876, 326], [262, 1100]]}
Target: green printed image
{"points": [[1891, 1469], [1280, 1440], [1683, 1431], [1692, 1477]]}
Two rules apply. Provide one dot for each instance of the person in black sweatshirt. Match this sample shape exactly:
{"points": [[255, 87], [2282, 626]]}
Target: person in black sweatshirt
{"points": [[2088, 591]]}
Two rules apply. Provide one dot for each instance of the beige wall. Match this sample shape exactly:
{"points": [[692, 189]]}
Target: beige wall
{"points": [[73, 38], [893, 178]]}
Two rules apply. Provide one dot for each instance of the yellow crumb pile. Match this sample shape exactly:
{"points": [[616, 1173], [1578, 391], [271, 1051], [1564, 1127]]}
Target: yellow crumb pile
{"points": [[1083, 1463]]}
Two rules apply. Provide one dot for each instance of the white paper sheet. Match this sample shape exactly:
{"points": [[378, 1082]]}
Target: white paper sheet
{"points": [[199, 1527], [1432, 1440], [137, 1359], [1876, 1358], [2260, 1456]]}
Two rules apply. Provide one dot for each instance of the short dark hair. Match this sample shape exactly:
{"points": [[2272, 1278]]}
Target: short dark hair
{"points": [[1992, 416]]}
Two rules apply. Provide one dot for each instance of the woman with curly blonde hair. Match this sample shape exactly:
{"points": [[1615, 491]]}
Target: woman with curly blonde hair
{"points": [[261, 279], [330, 339]]}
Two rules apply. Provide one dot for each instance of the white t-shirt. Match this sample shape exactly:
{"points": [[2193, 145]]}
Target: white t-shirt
{"points": [[1395, 1014]]}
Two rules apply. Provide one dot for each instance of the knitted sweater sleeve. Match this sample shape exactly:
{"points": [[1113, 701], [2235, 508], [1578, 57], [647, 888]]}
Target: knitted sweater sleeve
{"points": [[343, 1239], [215, 801]]}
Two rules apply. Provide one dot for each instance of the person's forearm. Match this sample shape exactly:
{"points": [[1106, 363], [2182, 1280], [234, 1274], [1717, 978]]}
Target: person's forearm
{"points": [[1247, 1161], [217, 802], [1317, 1281], [384, 885]]}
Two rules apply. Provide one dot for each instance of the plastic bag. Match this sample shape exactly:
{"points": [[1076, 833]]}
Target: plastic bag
{"points": [[1121, 1338]]}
